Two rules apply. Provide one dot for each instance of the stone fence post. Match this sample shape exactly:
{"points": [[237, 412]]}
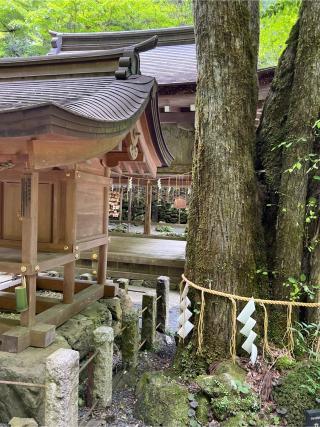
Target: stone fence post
{"points": [[130, 339], [163, 289], [148, 327], [102, 382], [62, 382]]}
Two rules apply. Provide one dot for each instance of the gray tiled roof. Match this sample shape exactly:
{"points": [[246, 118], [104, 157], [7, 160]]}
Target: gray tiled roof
{"points": [[170, 64], [97, 98]]}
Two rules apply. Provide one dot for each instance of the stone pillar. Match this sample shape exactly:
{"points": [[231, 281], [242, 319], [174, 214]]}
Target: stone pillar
{"points": [[62, 381], [163, 288], [148, 328], [123, 284], [130, 339], [102, 382]]}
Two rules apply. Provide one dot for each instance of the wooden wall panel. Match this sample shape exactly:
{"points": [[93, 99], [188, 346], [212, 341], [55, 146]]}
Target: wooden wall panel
{"points": [[90, 199], [11, 223], [11, 212]]}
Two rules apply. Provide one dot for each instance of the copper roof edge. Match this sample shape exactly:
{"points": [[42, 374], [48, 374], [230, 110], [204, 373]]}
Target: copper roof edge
{"points": [[142, 46]]}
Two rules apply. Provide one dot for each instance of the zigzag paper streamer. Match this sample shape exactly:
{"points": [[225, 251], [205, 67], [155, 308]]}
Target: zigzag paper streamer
{"points": [[185, 326], [249, 323]]}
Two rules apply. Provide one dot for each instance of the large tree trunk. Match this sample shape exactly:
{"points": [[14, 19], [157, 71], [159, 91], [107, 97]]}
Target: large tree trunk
{"points": [[290, 112], [222, 234]]}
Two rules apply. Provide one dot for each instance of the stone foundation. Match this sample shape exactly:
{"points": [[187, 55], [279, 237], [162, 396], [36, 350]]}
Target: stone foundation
{"points": [[29, 365]]}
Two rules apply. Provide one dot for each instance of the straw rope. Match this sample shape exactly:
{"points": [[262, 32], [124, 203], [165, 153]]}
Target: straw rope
{"points": [[233, 299], [266, 348], [257, 300]]}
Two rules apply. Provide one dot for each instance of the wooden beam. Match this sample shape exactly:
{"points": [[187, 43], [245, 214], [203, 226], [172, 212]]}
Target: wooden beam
{"points": [[177, 117], [60, 313], [113, 158], [29, 218], [70, 233], [102, 260], [56, 284], [92, 243], [8, 302], [147, 213]]}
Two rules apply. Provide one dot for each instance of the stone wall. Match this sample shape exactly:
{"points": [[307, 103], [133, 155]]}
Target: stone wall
{"points": [[29, 365]]}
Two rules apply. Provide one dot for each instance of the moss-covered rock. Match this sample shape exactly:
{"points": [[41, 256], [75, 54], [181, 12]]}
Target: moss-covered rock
{"points": [[299, 390], [202, 411], [161, 401], [229, 393], [227, 374]]}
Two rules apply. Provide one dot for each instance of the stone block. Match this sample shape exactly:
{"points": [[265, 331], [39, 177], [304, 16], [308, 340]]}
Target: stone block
{"points": [[114, 306], [62, 382], [102, 390], [130, 339], [123, 284], [163, 289], [42, 335], [23, 422], [148, 329]]}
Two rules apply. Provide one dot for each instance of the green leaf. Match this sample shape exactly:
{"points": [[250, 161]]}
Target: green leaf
{"points": [[303, 277], [292, 280], [316, 177]]}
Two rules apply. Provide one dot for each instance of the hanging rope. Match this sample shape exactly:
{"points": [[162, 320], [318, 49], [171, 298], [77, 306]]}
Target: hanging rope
{"points": [[233, 341], [265, 348], [233, 299], [200, 324]]}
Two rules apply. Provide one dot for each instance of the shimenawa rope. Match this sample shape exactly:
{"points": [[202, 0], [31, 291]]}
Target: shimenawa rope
{"points": [[233, 298]]}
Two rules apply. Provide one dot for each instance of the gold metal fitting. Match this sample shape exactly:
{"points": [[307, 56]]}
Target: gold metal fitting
{"points": [[66, 247], [23, 268], [94, 256], [94, 272]]}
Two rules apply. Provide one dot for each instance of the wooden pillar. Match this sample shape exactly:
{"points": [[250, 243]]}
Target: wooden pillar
{"points": [[102, 261], [147, 213], [129, 209], [29, 218], [71, 235], [120, 205]]}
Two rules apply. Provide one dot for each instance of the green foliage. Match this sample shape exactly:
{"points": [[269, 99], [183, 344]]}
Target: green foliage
{"points": [[306, 336], [276, 22], [300, 286], [285, 363], [24, 24], [164, 228]]}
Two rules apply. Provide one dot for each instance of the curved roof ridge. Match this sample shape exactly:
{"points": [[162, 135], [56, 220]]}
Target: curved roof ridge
{"points": [[62, 42]]}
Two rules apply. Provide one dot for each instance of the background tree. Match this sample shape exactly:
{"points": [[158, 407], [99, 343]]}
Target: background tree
{"points": [[24, 24], [288, 149], [223, 227]]}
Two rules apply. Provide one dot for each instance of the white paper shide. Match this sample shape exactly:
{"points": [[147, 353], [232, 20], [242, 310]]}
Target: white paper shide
{"points": [[185, 326], [247, 330]]}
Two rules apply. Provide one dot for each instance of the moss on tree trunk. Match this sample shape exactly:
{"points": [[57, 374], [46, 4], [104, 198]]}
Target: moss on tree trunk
{"points": [[222, 221], [290, 111]]}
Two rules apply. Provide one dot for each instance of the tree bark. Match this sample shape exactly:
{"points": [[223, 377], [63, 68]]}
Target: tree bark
{"points": [[222, 233], [290, 112]]}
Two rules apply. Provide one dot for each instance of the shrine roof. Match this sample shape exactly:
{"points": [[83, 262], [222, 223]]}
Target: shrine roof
{"points": [[172, 62], [83, 94]]}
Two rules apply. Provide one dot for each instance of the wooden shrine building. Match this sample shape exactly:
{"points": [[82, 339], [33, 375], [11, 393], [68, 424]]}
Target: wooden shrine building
{"points": [[174, 65], [65, 120]]}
